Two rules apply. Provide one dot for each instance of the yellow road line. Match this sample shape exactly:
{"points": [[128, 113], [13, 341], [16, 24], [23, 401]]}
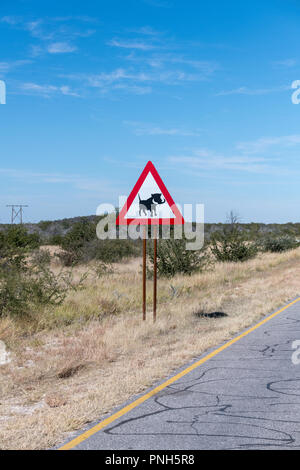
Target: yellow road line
{"points": [[160, 387]]}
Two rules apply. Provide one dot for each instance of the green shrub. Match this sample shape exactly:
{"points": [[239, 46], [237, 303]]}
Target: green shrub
{"points": [[44, 224], [74, 241], [109, 251], [231, 243], [66, 224], [15, 291], [232, 250], [279, 244], [79, 234], [82, 246], [17, 237], [55, 239], [26, 284], [173, 258]]}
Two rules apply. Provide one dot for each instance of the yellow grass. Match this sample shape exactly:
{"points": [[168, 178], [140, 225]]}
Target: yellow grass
{"points": [[74, 363]]}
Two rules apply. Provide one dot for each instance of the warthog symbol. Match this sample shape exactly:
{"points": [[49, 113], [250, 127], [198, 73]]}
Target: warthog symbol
{"points": [[150, 204]]}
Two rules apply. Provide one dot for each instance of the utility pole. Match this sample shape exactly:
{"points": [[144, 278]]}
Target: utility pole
{"points": [[16, 212]]}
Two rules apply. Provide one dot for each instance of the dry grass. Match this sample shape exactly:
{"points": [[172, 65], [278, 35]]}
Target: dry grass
{"points": [[72, 364]]}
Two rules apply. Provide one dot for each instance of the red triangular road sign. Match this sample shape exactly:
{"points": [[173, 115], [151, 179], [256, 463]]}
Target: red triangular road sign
{"points": [[145, 203]]}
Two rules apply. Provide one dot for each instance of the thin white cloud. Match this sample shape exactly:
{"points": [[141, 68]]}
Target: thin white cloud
{"points": [[263, 144], [11, 20], [147, 67], [36, 50], [145, 31], [153, 59], [66, 90], [35, 29], [47, 90], [252, 91], [83, 18], [139, 128], [84, 34], [251, 157], [78, 181], [138, 82], [208, 161], [61, 48], [99, 80], [141, 45], [166, 60], [51, 30], [206, 67], [135, 89], [285, 63], [6, 67]]}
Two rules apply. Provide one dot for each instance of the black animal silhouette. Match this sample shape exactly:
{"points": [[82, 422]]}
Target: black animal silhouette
{"points": [[150, 204]]}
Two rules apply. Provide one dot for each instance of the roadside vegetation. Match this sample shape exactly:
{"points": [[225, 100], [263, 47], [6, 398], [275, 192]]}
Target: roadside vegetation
{"points": [[231, 243], [70, 316]]}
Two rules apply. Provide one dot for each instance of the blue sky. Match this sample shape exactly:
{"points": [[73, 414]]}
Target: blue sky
{"points": [[203, 89]]}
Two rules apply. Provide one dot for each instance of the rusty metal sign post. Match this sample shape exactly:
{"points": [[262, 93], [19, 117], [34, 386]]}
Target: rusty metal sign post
{"points": [[154, 274], [154, 271], [144, 271], [150, 203]]}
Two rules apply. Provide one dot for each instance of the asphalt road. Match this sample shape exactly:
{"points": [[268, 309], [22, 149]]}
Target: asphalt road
{"points": [[245, 397]]}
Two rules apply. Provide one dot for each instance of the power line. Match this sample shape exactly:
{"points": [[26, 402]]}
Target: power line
{"points": [[16, 212]]}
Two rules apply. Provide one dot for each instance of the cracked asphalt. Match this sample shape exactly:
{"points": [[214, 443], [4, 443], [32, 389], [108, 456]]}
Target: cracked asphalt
{"points": [[245, 397]]}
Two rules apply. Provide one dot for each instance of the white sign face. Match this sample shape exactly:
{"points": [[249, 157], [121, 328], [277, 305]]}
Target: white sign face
{"points": [[149, 202]]}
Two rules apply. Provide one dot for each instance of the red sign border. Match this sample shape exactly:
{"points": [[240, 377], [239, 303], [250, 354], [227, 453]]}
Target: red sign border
{"points": [[178, 220]]}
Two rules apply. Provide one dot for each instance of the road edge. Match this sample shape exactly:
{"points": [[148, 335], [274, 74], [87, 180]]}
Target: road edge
{"points": [[110, 419]]}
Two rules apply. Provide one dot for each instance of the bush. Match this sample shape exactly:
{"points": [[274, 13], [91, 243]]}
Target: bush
{"points": [[101, 268], [231, 244], [44, 224], [41, 256], [66, 224], [27, 282], [55, 239], [68, 258], [80, 233], [109, 251], [22, 287], [16, 237], [74, 241], [173, 258], [278, 245], [15, 292]]}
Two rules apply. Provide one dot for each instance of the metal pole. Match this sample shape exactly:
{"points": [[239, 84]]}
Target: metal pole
{"points": [[15, 213], [154, 274], [144, 273]]}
